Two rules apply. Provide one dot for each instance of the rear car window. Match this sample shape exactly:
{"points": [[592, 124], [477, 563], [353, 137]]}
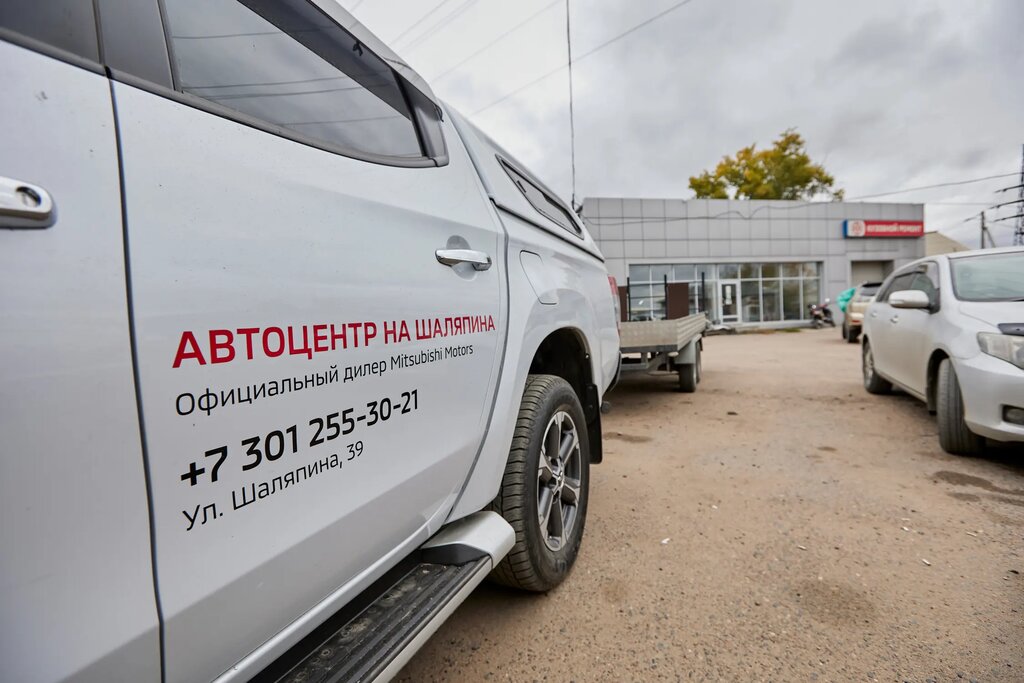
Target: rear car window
{"points": [[68, 25], [289, 65], [989, 277], [545, 204], [869, 290]]}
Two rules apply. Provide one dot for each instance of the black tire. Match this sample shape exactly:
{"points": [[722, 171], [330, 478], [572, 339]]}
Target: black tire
{"points": [[688, 378], [852, 335], [700, 365], [872, 381], [533, 564], [954, 435], [846, 331]]}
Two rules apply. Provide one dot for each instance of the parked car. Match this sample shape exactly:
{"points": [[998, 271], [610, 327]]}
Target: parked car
{"points": [[949, 330], [293, 356], [853, 319]]}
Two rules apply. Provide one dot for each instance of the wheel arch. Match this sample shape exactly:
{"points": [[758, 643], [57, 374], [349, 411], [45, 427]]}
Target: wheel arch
{"points": [[565, 353]]}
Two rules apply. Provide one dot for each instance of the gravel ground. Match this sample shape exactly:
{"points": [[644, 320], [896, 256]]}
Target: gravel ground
{"points": [[779, 525]]}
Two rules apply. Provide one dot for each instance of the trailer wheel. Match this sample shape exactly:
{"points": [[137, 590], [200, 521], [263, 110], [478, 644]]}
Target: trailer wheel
{"points": [[688, 377], [544, 491], [700, 364]]}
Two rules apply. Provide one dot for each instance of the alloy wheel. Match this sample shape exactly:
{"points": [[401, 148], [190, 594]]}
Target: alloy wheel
{"points": [[558, 481]]}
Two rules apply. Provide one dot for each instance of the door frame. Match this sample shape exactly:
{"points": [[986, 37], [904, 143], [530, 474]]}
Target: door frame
{"points": [[734, 318]]}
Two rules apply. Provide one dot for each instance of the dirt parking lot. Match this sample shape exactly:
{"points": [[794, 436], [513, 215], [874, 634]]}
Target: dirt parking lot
{"points": [[779, 525]]}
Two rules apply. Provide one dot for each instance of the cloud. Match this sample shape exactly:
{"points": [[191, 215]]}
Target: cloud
{"points": [[888, 94]]}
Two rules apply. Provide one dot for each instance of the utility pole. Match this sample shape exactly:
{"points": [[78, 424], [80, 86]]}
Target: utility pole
{"points": [[1018, 234], [984, 231], [1018, 230]]}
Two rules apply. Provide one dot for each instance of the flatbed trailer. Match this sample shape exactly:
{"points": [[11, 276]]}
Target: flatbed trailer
{"points": [[670, 345]]}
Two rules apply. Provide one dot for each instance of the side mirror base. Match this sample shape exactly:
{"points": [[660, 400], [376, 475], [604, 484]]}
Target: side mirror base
{"points": [[910, 298]]}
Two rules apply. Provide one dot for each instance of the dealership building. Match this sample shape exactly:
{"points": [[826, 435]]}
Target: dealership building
{"points": [[748, 263]]}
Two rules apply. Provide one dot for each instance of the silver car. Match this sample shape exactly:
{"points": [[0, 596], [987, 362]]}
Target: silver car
{"points": [[949, 330]]}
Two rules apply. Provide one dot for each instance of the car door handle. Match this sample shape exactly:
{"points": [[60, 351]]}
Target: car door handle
{"points": [[24, 205], [895, 319], [452, 257]]}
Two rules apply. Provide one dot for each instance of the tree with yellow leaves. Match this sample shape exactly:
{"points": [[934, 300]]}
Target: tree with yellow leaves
{"points": [[783, 171]]}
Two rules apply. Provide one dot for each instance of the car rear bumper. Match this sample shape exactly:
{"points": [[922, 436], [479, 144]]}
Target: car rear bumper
{"points": [[988, 385]]}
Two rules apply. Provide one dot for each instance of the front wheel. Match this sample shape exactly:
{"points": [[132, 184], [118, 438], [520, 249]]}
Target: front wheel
{"points": [[954, 435], [872, 381], [545, 489]]}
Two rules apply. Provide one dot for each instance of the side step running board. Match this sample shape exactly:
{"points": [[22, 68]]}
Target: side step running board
{"points": [[375, 639]]}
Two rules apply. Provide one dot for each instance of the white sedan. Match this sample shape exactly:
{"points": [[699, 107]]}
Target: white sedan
{"points": [[949, 330]]}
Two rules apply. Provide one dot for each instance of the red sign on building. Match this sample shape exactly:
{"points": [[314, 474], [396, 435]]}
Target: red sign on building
{"points": [[883, 228]]}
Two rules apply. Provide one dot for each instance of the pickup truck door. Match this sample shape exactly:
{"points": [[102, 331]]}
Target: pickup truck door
{"points": [[315, 381], [76, 583]]}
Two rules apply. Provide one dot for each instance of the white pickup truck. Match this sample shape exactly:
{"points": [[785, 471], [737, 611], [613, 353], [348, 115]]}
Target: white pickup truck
{"points": [[292, 355]]}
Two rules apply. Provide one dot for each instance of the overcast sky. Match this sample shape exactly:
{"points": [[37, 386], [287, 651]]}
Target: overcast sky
{"points": [[888, 94]]}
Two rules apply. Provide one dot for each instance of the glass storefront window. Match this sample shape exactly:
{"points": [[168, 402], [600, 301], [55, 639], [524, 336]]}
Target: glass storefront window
{"points": [[811, 293], [728, 271], [708, 271], [639, 274], [750, 298], [684, 273], [790, 270], [771, 301], [659, 273], [791, 308], [769, 292]]}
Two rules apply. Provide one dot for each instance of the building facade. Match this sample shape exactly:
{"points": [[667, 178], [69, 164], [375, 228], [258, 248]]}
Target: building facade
{"points": [[750, 263]]}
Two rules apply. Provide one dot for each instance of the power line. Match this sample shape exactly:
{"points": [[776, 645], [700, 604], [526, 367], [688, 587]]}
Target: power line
{"points": [[433, 30], [931, 187], [583, 56], [416, 23], [495, 41]]}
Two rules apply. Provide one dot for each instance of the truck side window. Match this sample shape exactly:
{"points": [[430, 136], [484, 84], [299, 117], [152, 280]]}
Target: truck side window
{"points": [[289, 65], [69, 25], [546, 205]]}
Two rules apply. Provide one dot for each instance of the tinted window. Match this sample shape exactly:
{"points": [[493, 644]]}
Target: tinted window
{"points": [[869, 289], [546, 205], [898, 284], [926, 281], [287, 64], [991, 277], [66, 24]]}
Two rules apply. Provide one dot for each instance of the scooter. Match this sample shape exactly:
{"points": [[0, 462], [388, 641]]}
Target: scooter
{"points": [[821, 314]]}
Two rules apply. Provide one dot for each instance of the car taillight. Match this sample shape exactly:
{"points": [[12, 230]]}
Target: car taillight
{"points": [[616, 303]]}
